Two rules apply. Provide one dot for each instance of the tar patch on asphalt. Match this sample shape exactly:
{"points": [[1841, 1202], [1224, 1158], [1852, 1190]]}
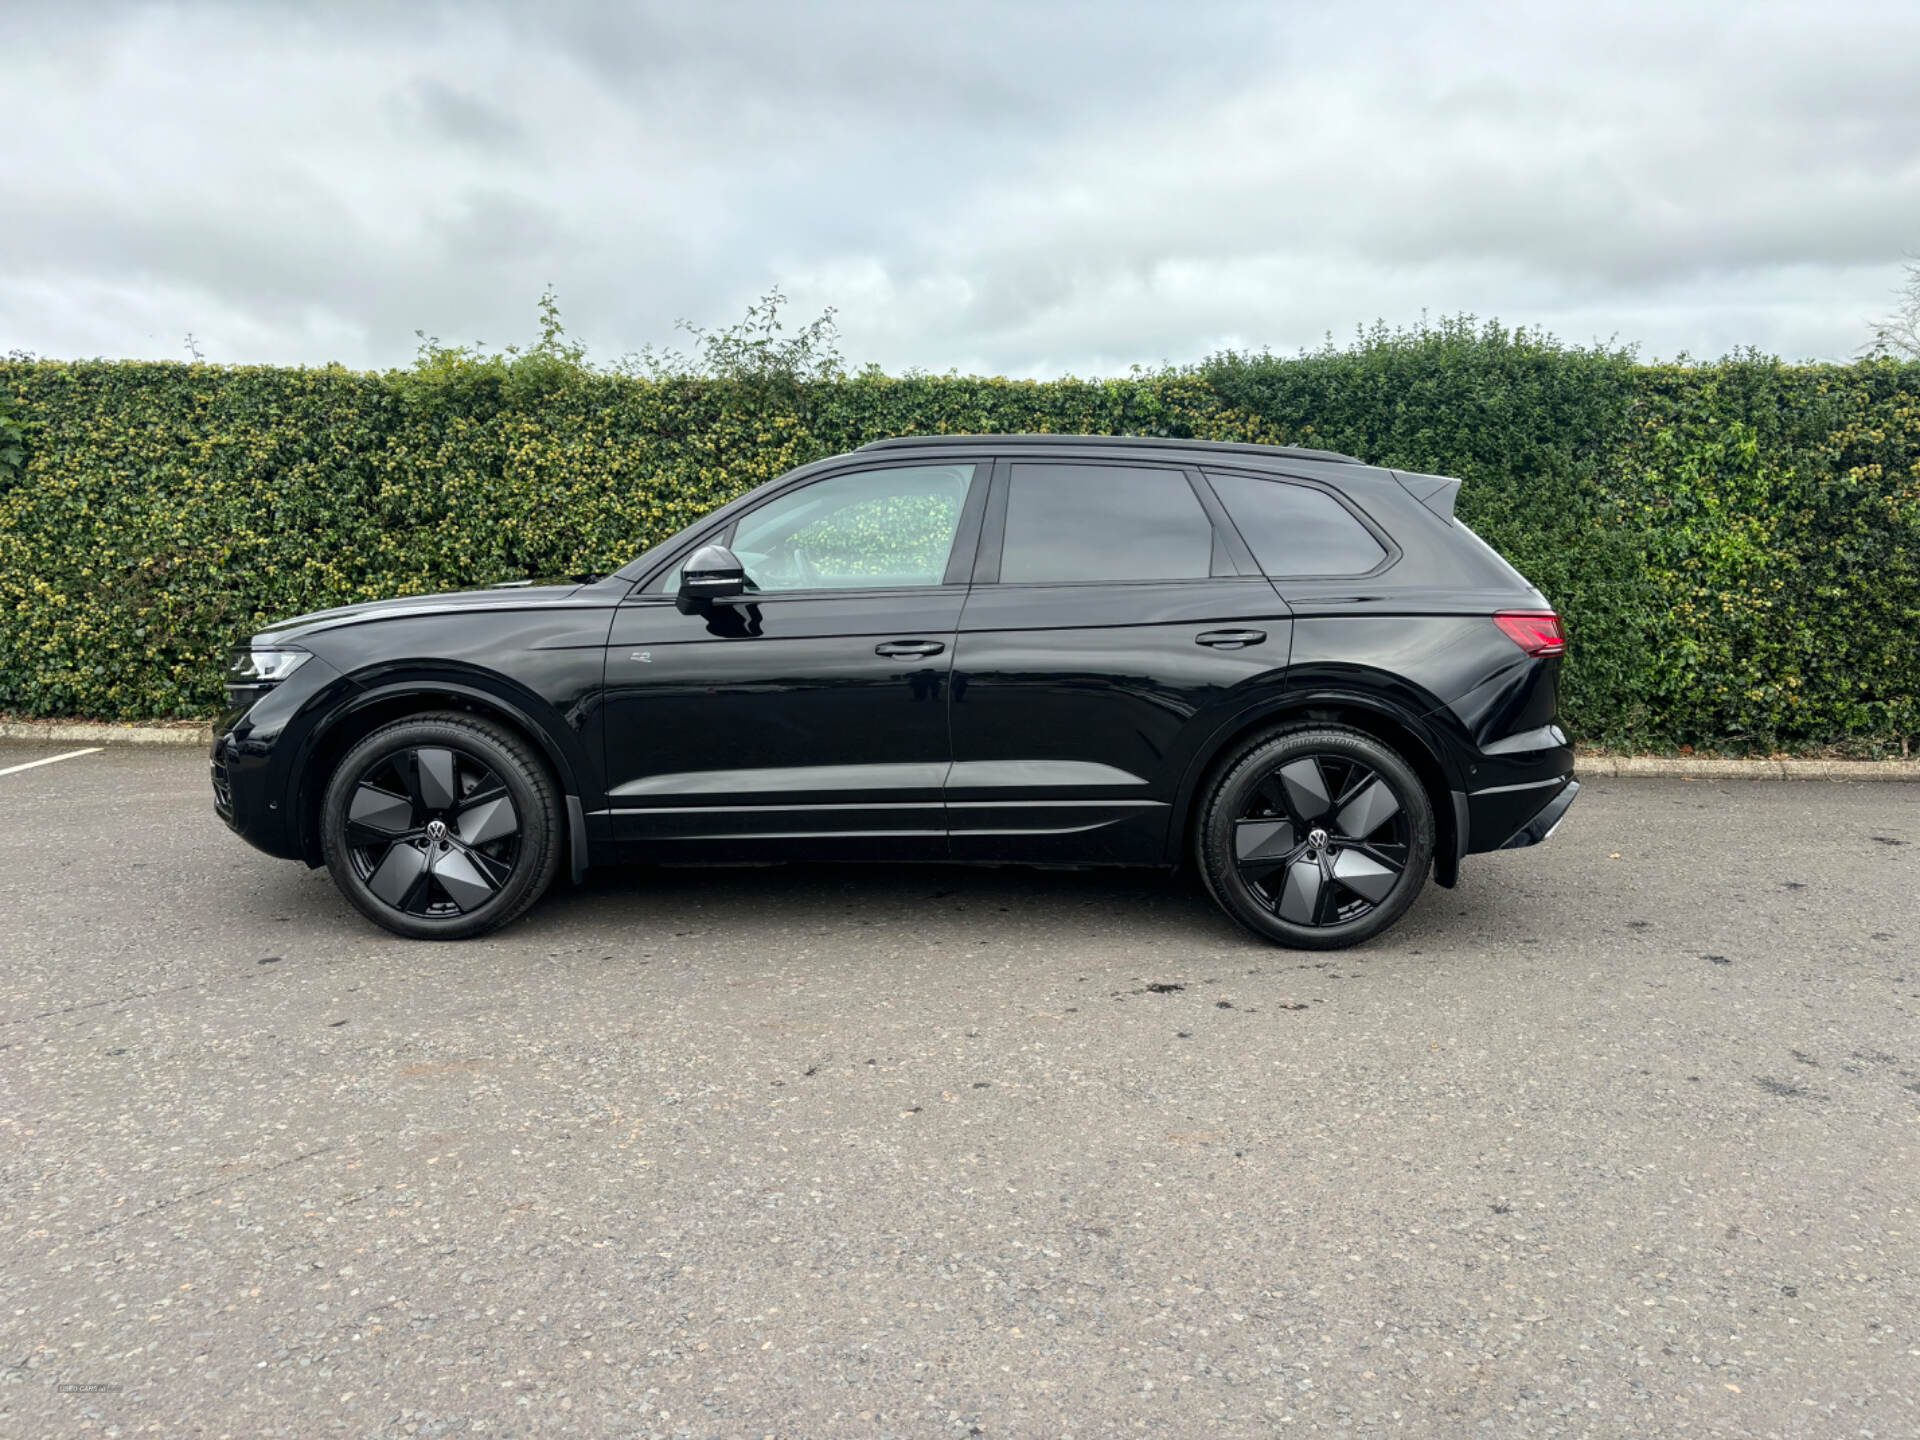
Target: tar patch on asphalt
{"points": [[1785, 1089]]}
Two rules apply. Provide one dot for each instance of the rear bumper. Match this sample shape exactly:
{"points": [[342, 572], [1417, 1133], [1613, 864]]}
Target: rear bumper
{"points": [[1503, 817], [1512, 782], [1543, 823]]}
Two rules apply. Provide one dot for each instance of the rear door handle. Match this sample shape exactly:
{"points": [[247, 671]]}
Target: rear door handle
{"points": [[914, 649], [1230, 639]]}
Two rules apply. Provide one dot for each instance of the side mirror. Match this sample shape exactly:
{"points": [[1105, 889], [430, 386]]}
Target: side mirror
{"points": [[712, 574]]}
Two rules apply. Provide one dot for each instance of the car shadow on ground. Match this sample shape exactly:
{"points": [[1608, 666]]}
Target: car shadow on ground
{"points": [[802, 896], [1007, 903]]}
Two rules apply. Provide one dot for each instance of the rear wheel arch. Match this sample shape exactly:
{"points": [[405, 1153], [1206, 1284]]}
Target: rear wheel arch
{"points": [[1398, 731], [382, 705], [1315, 836]]}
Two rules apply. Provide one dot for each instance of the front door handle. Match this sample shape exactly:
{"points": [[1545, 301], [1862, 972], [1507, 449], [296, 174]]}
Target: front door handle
{"points": [[910, 649], [1230, 639]]}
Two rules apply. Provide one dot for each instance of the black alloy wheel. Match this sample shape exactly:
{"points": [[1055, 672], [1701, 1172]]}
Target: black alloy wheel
{"points": [[441, 827], [432, 832], [1317, 838]]}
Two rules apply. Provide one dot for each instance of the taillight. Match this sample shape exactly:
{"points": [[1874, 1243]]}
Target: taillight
{"points": [[1537, 632]]}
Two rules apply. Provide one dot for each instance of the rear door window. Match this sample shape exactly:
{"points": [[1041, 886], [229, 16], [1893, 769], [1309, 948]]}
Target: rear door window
{"points": [[1093, 523], [1297, 530]]}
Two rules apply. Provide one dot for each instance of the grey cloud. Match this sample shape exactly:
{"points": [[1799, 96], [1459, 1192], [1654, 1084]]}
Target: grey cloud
{"points": [[492, 225], [1006, 186], [1001, 65], [462, 118]]}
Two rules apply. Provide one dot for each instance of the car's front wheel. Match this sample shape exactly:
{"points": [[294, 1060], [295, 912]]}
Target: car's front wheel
{"points": [[442, 827], [1317, 837]]}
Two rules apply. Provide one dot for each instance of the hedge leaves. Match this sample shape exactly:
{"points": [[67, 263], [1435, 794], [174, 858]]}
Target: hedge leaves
{"points": [[1736, 546]]}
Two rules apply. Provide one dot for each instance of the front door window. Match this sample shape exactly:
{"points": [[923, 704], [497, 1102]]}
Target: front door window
{"points": [[877, 530]]}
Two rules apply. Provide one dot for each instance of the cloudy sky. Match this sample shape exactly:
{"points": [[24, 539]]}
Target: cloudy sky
{"points": [[1024, 188]]}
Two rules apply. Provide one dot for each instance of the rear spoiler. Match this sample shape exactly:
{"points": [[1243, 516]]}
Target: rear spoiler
{"points": [[1436, 492]]}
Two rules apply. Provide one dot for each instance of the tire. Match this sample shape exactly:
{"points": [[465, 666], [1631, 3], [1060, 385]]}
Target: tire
{"points": [[442, 827], [1274, 847]]}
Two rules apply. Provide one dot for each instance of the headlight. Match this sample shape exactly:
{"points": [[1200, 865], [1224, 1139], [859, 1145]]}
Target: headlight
{"points": [[264, 667], [251, 673]]}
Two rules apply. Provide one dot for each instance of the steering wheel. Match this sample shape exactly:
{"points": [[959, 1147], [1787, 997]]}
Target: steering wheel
{"points": [[809, 573]]}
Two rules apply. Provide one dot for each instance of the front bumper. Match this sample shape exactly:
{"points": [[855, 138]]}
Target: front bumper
{"points": [[254, 761]]}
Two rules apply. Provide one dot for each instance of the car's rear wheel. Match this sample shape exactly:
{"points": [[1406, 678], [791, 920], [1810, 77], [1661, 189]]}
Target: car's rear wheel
{"points": [[1316, 837], [442, 827]]}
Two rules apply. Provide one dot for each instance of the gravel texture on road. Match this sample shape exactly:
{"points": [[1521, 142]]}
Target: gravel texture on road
{"points": [[1616, 1139]]}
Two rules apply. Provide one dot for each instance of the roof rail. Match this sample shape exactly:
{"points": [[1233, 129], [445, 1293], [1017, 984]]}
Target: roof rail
{"points": [[1128, 442]]}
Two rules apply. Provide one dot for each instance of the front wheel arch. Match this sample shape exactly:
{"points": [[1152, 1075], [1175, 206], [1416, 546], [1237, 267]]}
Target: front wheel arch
{"points": [[485, 826], [374, 708]]}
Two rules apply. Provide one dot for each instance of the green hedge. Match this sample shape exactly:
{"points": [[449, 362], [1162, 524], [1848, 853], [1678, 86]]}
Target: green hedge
{"points": [[1736, 545]]}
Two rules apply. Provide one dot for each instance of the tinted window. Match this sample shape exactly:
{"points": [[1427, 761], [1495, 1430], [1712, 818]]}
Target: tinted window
{"points": [[1102, 522], [880, 529], [1296, 531]]}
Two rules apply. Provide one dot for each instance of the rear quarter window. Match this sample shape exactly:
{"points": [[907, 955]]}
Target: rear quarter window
{"points": [[1295, 529]]}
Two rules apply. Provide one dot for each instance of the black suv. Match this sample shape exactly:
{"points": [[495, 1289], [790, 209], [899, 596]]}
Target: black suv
{"points": [[1299, 672]]}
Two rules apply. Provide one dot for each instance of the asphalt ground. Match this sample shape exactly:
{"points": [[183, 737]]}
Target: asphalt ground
{"points": [[1616, 1139]]}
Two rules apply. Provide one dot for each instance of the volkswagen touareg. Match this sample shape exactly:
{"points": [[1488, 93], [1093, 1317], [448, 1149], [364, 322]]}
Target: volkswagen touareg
{"points": [[1300, 674]]}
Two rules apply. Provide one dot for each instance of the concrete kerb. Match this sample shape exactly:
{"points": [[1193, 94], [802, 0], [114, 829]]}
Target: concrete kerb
{"points": [[82, 732], [1661, 767]]}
